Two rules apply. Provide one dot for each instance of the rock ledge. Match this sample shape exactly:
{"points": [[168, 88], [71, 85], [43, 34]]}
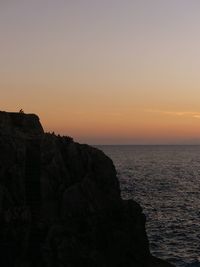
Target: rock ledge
{"points": [[60, 203]]}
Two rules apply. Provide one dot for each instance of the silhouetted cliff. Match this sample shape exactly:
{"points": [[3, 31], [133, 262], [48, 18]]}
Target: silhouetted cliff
{"points": [[60, 203]]}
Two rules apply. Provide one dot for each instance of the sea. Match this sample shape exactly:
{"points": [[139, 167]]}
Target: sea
{"points": [[165, 181]]}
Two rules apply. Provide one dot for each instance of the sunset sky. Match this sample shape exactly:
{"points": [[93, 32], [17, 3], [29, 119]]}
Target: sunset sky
{"points": [[104, 71]]}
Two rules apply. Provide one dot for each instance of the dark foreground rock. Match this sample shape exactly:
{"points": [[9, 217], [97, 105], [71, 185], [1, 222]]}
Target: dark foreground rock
{"points": [[60, 203]]}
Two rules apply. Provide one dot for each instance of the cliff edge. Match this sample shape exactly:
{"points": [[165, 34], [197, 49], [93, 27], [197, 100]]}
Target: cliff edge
{"points": [[60, 203]]}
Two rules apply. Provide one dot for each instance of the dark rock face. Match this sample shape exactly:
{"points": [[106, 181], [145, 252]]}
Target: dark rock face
{"points": [[60, 203]]}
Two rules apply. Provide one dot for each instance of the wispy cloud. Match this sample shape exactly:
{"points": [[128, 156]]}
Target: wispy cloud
{"points": [[191, 114], [196, 116]]}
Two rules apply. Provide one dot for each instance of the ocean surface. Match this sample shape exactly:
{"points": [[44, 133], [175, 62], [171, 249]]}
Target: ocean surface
{"points": [[165, 180]]}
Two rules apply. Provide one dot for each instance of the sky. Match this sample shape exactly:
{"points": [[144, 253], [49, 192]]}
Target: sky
{"points": [[104, 71]]}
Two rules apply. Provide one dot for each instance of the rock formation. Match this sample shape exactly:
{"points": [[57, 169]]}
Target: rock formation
{"points": [[60, 203]]}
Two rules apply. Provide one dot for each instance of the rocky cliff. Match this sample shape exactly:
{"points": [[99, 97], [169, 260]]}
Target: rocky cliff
{"points": [[60, 203]]}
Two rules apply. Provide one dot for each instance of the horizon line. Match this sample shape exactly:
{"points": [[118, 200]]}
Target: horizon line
{"points": [[144, 144]]}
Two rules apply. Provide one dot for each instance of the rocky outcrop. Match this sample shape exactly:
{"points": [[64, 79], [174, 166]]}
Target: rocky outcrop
{"points": [[60, 203]]}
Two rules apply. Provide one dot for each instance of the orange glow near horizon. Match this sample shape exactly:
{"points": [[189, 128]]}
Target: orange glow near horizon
{"points": [[104, 72]]}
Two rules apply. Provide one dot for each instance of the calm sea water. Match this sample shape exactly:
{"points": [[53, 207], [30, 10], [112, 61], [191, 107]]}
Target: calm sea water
{"points": [[165, 180]]}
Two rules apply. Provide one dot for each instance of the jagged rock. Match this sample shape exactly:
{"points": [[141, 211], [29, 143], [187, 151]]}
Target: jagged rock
{"points": [[60, 203]]}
